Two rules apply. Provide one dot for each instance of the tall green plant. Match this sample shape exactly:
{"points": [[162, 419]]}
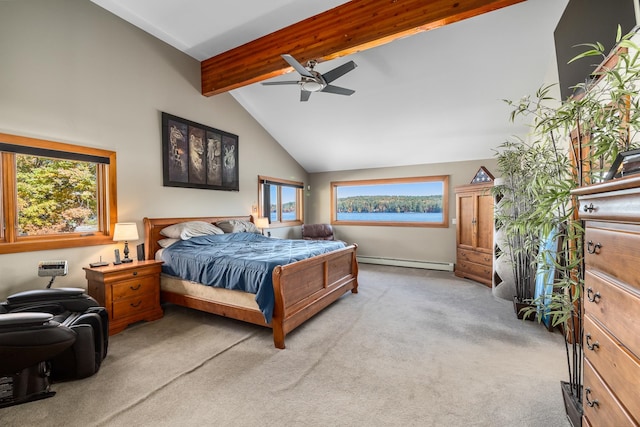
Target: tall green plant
{"points": [[604, 119]]}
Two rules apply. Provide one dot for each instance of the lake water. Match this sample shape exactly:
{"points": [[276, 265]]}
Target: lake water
{"points": [[379, 216]]}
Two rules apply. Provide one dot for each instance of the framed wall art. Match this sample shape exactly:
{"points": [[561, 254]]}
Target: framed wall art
{"points": [[198, 156]]}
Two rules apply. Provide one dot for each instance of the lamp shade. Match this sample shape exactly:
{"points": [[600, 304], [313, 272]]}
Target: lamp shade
{"points": [[125, 231], [262, 222]]}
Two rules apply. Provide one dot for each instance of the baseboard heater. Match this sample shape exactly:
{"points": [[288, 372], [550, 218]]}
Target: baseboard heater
{"points": [[429, 265]]}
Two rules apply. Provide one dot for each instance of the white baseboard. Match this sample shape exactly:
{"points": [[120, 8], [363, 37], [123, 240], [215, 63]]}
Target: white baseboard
{"points": [[429, 265]]}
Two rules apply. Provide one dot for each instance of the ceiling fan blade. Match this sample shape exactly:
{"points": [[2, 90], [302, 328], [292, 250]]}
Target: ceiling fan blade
{"points": [[304, 95], [340, 71], [290, 82], [297, 66], [338, 90]]}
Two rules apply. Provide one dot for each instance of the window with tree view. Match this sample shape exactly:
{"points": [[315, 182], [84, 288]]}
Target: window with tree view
{"points": [[414, 202], [55, 195], [280, 200]]}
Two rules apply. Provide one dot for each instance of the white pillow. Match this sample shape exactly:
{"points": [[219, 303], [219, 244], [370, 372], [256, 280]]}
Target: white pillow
{"points": [[165, 243], [189, 229]]}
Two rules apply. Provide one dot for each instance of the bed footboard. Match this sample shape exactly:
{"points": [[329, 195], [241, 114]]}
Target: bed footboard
{"points": [[304, 288]]}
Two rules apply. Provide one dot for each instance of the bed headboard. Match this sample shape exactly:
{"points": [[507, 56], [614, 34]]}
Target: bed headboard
{"points": [[153, 226]]}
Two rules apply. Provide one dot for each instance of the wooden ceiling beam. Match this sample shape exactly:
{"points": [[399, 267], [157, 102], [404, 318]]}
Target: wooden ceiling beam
{"points": [[352, 27]]}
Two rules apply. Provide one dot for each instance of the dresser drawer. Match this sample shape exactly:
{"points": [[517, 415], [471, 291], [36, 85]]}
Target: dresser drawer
{"points": [[600, 406], [617, 308], [479, 272], [622, 205], [618, 367], [133, 288], [475, 257], [135, 305], [615, 250]]}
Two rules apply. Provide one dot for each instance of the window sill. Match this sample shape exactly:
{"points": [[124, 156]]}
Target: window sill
{"points": [[59, 243]]}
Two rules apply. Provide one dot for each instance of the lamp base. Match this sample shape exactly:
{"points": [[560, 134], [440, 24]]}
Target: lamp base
{"points": [[126, 260]]}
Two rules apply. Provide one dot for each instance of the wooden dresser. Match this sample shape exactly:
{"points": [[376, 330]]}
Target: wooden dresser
{"points": [[474, 232], [130, 292], [611, 340]]}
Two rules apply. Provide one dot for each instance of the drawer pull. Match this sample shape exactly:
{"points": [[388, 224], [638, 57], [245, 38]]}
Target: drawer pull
{"points": [[136, 304], [136, 288], [591, 403], [589, 208], [593, 249], [135, 273], [593, 297], [590, 346]]}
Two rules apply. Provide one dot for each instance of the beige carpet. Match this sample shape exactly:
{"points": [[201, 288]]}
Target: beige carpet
{"points": [[412, 348]]}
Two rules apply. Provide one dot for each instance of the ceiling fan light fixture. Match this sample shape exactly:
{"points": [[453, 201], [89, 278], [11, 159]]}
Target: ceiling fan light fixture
{"points": [[311, 86]]}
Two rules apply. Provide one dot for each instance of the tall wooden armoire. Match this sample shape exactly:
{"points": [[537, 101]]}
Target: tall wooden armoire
{"points": [[474, 229]]}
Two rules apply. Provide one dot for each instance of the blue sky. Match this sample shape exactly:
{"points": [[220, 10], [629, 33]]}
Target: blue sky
{"points": [[409, 189]]}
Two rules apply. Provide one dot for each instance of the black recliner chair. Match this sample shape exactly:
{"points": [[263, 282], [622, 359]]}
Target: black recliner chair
{"points": [[57, 333]]}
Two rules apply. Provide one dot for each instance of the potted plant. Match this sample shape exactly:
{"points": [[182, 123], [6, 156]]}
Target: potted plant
{"points": [[572, 144], [518, 242]]}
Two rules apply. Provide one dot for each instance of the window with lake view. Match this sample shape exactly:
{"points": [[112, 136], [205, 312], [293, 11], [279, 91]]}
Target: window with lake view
{"points": [[280, 200], [412, 202]]}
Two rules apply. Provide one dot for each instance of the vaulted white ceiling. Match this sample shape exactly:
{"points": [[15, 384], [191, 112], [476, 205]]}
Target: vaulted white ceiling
{"points": [[429, 98]]}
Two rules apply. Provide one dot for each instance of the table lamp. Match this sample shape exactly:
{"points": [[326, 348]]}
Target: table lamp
{"points": [[123, 232], [262, 223]]}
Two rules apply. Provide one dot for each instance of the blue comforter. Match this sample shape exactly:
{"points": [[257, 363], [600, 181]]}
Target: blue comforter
{"points": [[240, 261]]}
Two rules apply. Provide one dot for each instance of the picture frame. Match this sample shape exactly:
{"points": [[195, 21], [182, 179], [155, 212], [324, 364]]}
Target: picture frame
{"points": [[626, 163], [198, 156]]}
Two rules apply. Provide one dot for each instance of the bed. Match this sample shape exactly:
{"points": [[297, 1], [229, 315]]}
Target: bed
{"points": [[301, 289]]}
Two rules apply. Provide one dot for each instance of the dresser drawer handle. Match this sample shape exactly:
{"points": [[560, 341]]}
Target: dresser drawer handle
{"points": [[136, 304], [593, 249], [136, 288], [589, 208], [590, 346], [135, 273], [593, 297], [591, 403]]}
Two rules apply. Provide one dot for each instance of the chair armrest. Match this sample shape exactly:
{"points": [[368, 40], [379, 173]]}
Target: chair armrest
{"points": [[24, 319], [39, 295]]}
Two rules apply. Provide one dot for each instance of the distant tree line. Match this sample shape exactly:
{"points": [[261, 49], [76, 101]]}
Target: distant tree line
{"points": [[286, 207], [397, 204]]}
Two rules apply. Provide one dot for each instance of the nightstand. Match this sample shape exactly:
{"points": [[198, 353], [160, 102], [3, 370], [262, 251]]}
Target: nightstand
{"points": [[130, 292]]}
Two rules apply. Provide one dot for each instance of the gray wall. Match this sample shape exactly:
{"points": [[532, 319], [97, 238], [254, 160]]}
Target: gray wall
{"points": [[72, 72], [406, 243]]}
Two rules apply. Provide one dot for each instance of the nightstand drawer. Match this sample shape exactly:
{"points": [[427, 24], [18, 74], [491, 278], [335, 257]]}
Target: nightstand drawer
{"points": [[134, 288], [137, 304], [128, 274]]}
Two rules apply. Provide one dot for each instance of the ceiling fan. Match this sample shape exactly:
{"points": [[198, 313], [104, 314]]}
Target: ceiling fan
{"points": [[312, 81]]}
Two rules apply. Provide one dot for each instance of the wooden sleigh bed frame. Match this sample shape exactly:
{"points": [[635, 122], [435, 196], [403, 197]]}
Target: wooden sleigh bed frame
{"points": [[302, 289]]}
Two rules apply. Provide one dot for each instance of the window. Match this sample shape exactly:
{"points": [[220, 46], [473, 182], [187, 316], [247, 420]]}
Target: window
{"points": [[55, 195], [281, 200], [409, 202]]}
